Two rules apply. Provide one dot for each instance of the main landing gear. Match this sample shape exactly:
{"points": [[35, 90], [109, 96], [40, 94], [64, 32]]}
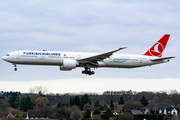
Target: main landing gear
{"points": [[88, 71], [15, 67]]}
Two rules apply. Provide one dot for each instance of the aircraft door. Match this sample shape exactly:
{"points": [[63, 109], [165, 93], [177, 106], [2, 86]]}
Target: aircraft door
{"points": [[140, 60], [42, 57], [17, 56]]}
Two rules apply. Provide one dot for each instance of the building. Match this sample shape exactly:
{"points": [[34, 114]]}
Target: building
{"points": [[172, 110], [114, 112], [120, 106], [136, 112]]}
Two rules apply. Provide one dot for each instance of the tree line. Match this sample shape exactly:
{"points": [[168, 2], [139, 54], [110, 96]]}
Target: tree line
{"points": [[41, 102]]}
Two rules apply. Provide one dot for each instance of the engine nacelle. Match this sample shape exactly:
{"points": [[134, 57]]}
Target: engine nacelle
{"points": [[68, 64]]}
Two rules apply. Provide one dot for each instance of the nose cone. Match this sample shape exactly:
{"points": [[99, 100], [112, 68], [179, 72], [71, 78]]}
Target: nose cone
{"points": [[4, 58]]}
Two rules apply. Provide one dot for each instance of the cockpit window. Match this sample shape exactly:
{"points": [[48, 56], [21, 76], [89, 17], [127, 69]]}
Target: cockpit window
{"points": [[7, 54]]}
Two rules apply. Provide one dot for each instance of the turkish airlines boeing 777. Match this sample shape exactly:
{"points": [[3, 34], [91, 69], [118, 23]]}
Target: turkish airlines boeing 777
{"points": [[71, 60]]}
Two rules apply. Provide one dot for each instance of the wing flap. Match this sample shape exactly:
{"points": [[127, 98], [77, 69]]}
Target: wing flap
{"points": [[99, 57]]}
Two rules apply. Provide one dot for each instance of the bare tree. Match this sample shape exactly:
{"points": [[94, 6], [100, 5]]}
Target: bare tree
{"points": [[39, 90], [88, 106], [76, 115], [108, 96], [175, 98], [61, 112], [160, 97], [133, 105], [75, 112], [162, 100], [73, 108], [41, 101]]}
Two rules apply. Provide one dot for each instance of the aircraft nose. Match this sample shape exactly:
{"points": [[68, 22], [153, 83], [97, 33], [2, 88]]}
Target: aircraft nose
{"points": [[4, 58]]}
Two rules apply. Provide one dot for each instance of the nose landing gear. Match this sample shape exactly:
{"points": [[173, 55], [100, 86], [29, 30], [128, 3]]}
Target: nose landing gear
{"points": [[15, 67]]}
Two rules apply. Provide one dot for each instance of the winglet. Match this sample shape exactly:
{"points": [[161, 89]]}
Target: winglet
{"points": [[158, 48], [117, 50], [122, 48]]}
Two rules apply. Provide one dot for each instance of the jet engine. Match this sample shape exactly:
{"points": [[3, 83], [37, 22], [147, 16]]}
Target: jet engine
{"points": [[68, 64]]}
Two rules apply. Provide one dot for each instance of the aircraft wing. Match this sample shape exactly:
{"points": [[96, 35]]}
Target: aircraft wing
{"points": [[161, 59], [99, 57]]}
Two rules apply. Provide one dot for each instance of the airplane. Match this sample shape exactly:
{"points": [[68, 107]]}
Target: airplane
{"points": [[70, 60]]}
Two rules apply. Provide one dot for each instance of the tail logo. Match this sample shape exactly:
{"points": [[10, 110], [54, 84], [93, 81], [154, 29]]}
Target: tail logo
{"points": [[157, 49]]}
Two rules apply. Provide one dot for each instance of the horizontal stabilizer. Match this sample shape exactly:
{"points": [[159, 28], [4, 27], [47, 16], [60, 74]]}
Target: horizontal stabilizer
{"points": [[161, 59]]}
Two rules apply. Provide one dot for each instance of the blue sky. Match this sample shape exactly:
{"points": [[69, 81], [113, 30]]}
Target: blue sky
{"points": [[89, 26]]}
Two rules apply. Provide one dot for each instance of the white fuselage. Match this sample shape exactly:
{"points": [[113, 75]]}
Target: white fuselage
{"points": [[56, 58]]}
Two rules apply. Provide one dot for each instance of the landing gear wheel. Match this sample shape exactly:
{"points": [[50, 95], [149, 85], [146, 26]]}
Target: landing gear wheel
{"points": [[15, 67], [88, 72]]}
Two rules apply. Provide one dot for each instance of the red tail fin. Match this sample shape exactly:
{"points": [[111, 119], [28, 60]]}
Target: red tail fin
{"points": [[158, 48]]}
